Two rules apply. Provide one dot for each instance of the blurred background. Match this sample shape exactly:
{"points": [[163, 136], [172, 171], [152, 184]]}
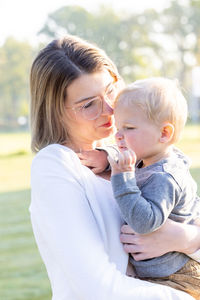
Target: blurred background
{"points": [[143, 38]]}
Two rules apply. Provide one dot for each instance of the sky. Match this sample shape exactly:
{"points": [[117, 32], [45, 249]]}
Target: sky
{"points": [[23, 19]]}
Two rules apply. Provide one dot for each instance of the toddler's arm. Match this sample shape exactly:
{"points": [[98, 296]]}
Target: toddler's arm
{"points": [[144, 211]]}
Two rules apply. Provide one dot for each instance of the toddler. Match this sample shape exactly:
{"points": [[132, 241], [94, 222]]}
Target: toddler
{"points": [[150, 177]]}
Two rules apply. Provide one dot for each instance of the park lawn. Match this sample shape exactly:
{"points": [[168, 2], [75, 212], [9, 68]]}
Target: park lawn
{"points": [[15, 161], [14, 142], [22, 273], [190, 145]]}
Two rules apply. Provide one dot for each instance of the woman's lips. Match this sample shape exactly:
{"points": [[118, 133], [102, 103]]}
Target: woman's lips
{"points": [[108, 124]]}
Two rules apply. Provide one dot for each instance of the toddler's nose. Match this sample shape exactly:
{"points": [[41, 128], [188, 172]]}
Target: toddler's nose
{"points": [[118, 136]]}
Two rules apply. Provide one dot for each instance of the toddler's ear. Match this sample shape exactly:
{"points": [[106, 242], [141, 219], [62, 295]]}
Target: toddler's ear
{"points": [[167, 133]]}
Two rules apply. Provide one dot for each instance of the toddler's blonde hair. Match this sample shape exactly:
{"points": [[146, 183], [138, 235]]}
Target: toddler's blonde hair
{"points": [[160, 98]]}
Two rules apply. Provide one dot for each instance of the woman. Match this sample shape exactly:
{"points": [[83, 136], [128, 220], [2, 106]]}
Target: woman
{"points": [[75, 220]]}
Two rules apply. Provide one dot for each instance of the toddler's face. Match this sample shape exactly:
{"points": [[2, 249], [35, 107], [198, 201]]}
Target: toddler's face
{"points": [[136, 132]]}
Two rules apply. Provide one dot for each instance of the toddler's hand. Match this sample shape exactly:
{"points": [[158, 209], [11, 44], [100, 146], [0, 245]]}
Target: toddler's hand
{"points": [[123, 162], [94, 159]]}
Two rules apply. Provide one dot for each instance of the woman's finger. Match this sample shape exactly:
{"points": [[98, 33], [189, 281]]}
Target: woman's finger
{"points": [[97, 170], [80, 155], [133, 249], [127, 229], [128, 238], [86, 163], [139, 256]]}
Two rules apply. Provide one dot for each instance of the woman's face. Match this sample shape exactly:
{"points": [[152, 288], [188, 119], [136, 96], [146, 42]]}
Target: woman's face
{"points": [[84, 130]]}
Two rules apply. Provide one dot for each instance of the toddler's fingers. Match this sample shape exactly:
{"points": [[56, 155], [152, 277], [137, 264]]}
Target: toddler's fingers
{"points": [[125, 159], [128, 157], [111, 161], [121, 159], [133, 157]]}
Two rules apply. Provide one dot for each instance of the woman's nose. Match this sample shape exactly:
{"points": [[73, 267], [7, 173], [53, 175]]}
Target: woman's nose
{"points": [[107, 109]]}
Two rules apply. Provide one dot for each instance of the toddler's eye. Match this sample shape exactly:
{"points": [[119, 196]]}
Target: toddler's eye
{"points": [[129, 128]]}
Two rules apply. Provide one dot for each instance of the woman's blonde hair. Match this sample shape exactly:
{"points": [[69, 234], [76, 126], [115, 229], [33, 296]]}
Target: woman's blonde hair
{"points": [[161, 100], [54, 68]]}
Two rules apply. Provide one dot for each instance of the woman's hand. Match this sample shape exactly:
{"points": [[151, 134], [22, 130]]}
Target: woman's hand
{"points": [[96, 160], [172, 236]]}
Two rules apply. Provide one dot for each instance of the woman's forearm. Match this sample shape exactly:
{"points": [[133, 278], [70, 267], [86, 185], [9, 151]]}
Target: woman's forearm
{"points": [[189, 239], [172, 236]]}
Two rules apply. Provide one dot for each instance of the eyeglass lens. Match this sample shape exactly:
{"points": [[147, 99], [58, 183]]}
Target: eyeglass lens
{"points": [[92, 109]]}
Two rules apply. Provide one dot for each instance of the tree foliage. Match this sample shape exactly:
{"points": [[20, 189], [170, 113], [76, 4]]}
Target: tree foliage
{"points": [[15, 58], [151, 43], [124, 38]]}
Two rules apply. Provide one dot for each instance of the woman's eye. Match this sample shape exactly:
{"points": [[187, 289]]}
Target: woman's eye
{"points": [[88, 104]]}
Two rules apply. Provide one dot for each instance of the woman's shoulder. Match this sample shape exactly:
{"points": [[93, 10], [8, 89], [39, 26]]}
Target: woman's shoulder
{"points": [[55, 156], [55, 150]]}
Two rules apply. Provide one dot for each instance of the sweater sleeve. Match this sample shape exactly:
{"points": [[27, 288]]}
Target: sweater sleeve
{"points": [[62, 213], [147, 209]]}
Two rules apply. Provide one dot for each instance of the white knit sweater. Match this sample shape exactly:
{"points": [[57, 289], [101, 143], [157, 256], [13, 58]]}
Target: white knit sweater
{"points": [[76, 224]]}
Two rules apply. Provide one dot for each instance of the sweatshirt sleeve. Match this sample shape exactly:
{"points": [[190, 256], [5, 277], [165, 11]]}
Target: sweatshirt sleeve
{"points": [[147, 209], [63, 216]]}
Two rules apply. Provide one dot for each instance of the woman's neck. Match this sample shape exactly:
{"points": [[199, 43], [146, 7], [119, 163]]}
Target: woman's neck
{"points": [[80, 146]]}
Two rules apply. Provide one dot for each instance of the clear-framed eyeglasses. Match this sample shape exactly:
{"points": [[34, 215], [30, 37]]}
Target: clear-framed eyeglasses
{"points": [[91, 109]]}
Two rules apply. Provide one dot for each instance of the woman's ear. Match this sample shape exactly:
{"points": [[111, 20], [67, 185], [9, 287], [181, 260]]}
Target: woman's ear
{"points": [[167, 133]]}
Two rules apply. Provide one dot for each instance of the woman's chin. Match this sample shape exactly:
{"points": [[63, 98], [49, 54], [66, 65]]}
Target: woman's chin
{"points": [[107, 132]]}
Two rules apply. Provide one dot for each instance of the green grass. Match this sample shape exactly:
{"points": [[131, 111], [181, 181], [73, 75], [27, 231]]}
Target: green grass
{"points": [[22, 273], [190, 145], [15, 161]]}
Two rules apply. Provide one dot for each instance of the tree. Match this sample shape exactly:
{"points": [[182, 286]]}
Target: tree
{"points": [[123, 37], [151, 43], [15, 61], [195, 23]]}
